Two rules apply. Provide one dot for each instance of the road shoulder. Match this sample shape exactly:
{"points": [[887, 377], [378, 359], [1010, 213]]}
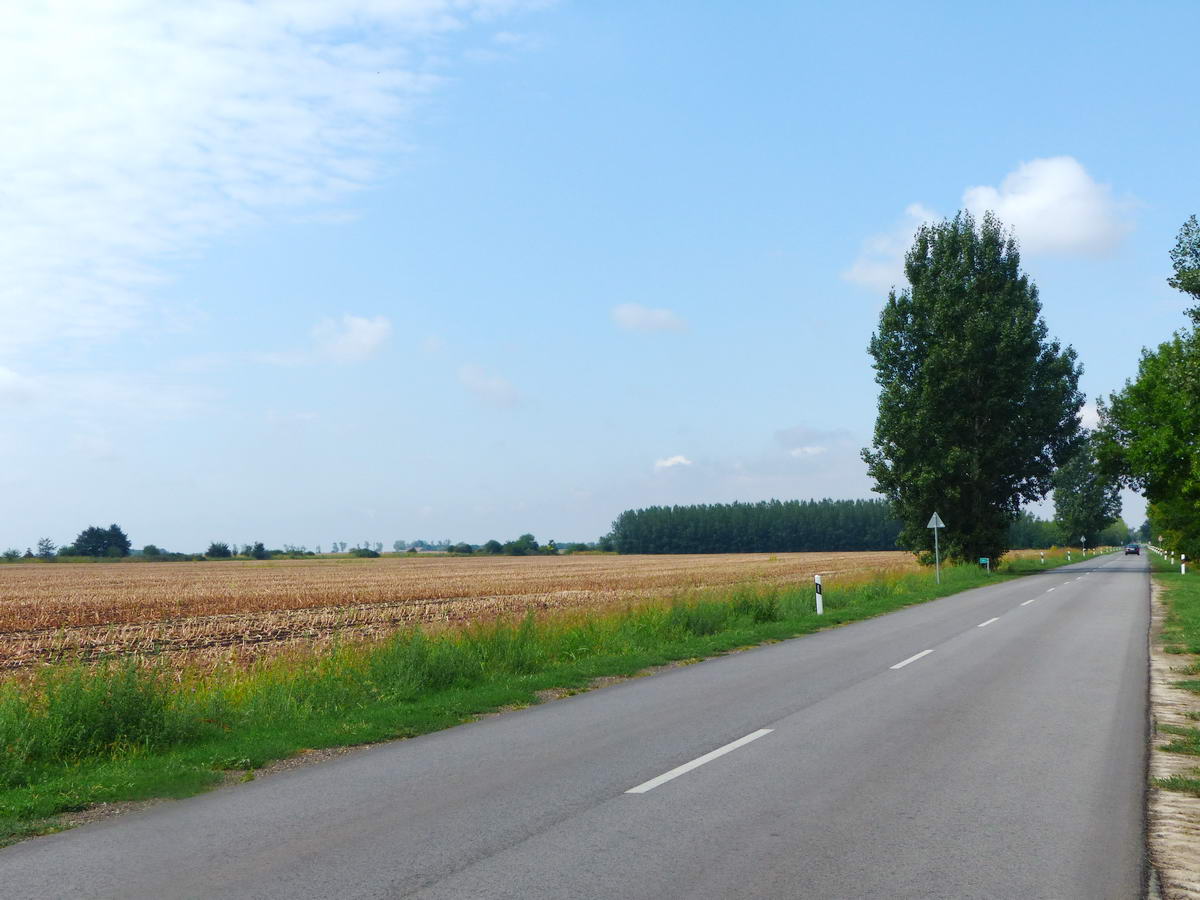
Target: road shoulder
{"points": [[1173, 817]]}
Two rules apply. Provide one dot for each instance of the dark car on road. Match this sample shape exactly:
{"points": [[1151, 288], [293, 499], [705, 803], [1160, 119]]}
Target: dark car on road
{"points": [[1134, 549]]}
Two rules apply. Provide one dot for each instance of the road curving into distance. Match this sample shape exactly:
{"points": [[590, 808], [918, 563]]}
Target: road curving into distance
{"points": [[987, 745]]}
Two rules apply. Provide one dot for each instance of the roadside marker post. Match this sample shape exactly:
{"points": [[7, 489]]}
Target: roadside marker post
{"points": [[1068, 556], [1083, 541], [935, 522], [1043, 557], [820, 604]]}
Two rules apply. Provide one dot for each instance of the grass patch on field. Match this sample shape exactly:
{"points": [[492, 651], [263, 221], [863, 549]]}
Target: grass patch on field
{"points": [[1181, 634], [73, 737]]}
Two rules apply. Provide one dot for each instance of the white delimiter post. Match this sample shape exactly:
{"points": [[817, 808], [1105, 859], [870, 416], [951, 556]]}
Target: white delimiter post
{"points": [[820, 604]]}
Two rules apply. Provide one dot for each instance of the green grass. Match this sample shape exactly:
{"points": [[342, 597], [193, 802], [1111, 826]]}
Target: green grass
{"points": [[77, 736], [1181, 634]]}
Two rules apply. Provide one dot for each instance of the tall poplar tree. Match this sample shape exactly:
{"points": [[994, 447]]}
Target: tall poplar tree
{"points": [[977, 406], [1086, 501]]}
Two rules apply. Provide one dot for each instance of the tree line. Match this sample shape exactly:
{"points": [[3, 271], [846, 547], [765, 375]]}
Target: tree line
{"points": [[96, 542], [770, 526]]}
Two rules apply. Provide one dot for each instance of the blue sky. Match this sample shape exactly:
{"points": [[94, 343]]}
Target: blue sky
{"points": [[306, 272]]}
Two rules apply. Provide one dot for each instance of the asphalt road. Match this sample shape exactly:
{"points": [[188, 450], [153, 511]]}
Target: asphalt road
{"points": [[1007, 762]]}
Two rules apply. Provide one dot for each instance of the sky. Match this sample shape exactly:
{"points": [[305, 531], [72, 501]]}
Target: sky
{"points": [[305, 271]]}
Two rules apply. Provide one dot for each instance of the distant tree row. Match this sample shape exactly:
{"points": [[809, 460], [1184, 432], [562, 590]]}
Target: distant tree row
{"points": [[1030, 533], [766, 526]]}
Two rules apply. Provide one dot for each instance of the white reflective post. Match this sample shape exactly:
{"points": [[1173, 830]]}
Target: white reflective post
{"points": [[820, 603]]}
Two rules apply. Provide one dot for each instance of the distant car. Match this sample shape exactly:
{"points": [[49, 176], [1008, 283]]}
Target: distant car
{"points": [[1134, 549]]}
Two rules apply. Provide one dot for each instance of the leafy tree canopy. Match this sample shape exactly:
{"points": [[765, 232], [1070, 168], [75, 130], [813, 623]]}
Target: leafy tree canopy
{"points": [[1150, 438], [1185, 260], [977, 406], [1086, 501], [97, 541]]}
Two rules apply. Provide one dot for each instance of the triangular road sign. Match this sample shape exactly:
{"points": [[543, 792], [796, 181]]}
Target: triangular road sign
{"points": [[935, 521]]}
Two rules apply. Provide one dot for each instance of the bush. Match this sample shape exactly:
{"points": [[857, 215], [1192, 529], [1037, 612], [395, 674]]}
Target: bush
{"points": [[218, 550], [364, 553]]}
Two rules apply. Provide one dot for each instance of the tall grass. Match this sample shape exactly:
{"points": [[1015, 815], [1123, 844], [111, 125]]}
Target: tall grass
{"points": [[70, 736]]}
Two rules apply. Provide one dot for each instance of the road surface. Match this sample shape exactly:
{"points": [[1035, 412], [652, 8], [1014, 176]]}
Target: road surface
{"points": [[990, 745]]}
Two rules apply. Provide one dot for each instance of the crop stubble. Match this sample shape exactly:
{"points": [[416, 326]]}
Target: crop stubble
{"points": [[205, 612]]}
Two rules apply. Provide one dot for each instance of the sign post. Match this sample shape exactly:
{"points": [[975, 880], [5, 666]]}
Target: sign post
{"points": [[820, 604], [1083, 540], [935, 522]]}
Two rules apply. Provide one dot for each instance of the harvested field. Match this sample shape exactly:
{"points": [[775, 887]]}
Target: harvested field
{"points": [[197, 612]]}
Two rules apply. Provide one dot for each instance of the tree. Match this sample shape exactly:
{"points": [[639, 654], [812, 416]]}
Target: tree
{"points": [[1148, 438], [1185, 260], [258, 551], [522, 546], [1086, 502], [12, 554], [151, 550], [977, 406], [398, 546], [493, 547], [45, 549], [218, 550], [97, 541]]}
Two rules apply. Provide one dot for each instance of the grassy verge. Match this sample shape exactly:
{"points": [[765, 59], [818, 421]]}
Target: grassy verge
{"points": [[72, 737], [1181, 634]]}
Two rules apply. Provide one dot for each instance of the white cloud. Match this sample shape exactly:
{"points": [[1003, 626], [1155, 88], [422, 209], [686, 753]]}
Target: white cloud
{"points": [[803, 442], [1089, 416], [494, 390], [149, 127], [353, 339], [880, 262], [1055, 207], [635, 317], [671, 462], [810, 450]]}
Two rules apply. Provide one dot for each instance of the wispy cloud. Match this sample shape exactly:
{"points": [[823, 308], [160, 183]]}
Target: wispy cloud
{"points": [[634, 317], [880, 262], [352, 339], [804, 442], [1053, 205], [671, 462], [149, 127], [492, 389]]}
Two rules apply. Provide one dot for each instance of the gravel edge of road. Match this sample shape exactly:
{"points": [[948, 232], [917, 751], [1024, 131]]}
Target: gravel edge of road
{"points": [[1173, 818]]}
